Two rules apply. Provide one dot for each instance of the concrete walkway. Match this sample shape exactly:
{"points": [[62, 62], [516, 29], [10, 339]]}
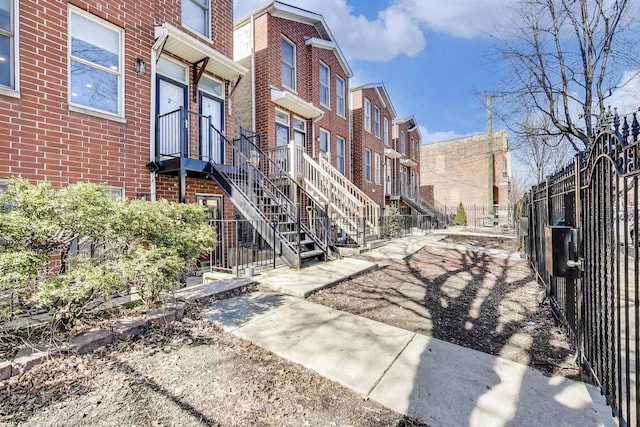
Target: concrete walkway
{"points": [[434, 381]]}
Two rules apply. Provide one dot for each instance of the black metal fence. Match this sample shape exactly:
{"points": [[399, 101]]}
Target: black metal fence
{"points": [[579, 230]]}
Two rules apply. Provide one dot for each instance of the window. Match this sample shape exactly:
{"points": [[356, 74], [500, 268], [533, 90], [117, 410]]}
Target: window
{"points": [[386, 131], [377, 169], [8, 44], [288, 52], [340, 105], [367, 115], [324, 141], [340, 161], [324, 86], [95, 64], [282, 128], [376, 121], [299, 131], [196, 16], [367, 165], [402, 143]]}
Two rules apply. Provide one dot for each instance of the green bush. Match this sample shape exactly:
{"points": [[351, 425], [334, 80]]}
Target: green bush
{"points": [[461, 216], [65, 248]]}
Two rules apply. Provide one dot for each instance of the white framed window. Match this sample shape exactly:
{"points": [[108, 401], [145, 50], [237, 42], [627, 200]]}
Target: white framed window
{"points": [[376, 121], [282, 128], [367, 115], [325, 98], [9, 82], [340, 155], [367, 165], [288, 60], [96, 77], [385, 129], [299, 131], [171, 68], [377, 168], [196, 15], [324, 140], [403, 143], [4, 185], [340, 90], [212, 86], [117, 192]]}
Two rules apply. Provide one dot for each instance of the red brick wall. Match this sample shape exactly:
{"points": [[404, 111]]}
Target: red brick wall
{"points": [[366, 140], [46, 141], [268, 31]]}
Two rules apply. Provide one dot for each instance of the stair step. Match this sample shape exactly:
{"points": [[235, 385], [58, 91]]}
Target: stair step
{"points": [[311, 254]]}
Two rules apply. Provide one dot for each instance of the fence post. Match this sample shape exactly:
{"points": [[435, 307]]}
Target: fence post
{"points": [[579, 282], [298, 226], [275, 240]]}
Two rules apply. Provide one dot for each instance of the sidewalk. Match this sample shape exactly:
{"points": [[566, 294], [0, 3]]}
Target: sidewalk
{"points": [[434, 381]]}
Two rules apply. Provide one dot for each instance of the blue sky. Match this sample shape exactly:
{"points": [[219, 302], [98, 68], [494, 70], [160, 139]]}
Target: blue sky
{"points": [[435, 57], [432, 71]]}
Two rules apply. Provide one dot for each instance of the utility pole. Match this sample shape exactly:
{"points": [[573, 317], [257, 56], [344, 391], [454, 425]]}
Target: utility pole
{"points": [[490, 155]]}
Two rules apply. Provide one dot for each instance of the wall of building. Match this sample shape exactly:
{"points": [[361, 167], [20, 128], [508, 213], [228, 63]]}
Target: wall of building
{"points": [[49, 140], [364, 140], [457, 170]]}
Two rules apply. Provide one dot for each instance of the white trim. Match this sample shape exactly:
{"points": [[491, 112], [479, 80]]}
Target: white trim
{"points": [[320, 132], [96, 113], [367, 168], [376, 130], [344, 97], [294, 103], [120, 72], [377, 166], [328, 85], [207, 36], [344, 155], [185, 46], [185, 68], [366, 118], [295, 63], [13, 91]]}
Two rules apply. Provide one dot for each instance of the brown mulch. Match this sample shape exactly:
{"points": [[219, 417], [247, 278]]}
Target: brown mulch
{"points": [[464, 296], [191, 373]]}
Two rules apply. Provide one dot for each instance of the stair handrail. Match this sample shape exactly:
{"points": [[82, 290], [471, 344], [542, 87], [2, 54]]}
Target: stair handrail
{"points": [[318, 212], [370, 205]]}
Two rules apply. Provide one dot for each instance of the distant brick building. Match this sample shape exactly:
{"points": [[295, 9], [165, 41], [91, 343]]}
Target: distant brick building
{"points": [[457, 171]]}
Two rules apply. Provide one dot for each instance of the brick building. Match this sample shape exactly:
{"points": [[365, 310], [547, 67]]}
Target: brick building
{"points": [[372, 115], [403, 179], [87, 84], [298, 84], [457, 171]]}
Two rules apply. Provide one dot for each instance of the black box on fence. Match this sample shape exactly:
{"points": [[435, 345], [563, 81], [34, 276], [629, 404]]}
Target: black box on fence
{"points": [[561, 250]]}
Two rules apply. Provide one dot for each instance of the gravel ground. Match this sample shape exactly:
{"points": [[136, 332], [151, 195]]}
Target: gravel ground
{"points": [[190, 373]]}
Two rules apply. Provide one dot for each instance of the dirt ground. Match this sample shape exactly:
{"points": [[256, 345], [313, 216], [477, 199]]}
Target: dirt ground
{"points": [[466, 297], [191, 373]]}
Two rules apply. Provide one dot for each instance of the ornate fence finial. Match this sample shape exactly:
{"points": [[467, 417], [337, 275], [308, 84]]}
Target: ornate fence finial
{"points": [[625, 131], [635, 127], [616, 120]]}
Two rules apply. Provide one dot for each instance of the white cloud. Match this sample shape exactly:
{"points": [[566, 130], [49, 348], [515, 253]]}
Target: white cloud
{"points": [[394, 32], [437, 136], [462, 18], [627, 98]]}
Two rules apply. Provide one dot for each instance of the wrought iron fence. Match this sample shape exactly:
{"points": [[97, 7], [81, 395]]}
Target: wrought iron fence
{"points": [[595, 198]]}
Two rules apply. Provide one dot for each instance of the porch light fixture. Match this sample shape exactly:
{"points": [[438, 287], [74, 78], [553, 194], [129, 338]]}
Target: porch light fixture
{"points": [[141, 66]]}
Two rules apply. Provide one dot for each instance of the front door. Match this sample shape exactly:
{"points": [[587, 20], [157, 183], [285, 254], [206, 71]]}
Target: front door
{"points": [[171, 96], [211, 128]]}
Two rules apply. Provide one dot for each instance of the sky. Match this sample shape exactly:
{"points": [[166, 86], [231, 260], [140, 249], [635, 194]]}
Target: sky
{"points": [[435, 57]]}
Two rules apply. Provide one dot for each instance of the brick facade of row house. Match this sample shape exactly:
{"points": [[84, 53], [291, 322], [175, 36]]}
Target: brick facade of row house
{"points": [[90, 90], [373, 116], [298, 85], [83, 81], [404, 179]]}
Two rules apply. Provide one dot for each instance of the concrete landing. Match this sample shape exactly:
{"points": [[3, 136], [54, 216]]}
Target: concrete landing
{"points": [[399, 249], [439, 383], [303, 282]]}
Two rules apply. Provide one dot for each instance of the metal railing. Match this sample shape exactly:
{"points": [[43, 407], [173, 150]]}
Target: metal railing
{"points": [[185, 133], [596, 195]]}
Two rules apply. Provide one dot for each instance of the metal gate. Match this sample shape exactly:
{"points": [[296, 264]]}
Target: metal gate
{"points": [[597, 195]]}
